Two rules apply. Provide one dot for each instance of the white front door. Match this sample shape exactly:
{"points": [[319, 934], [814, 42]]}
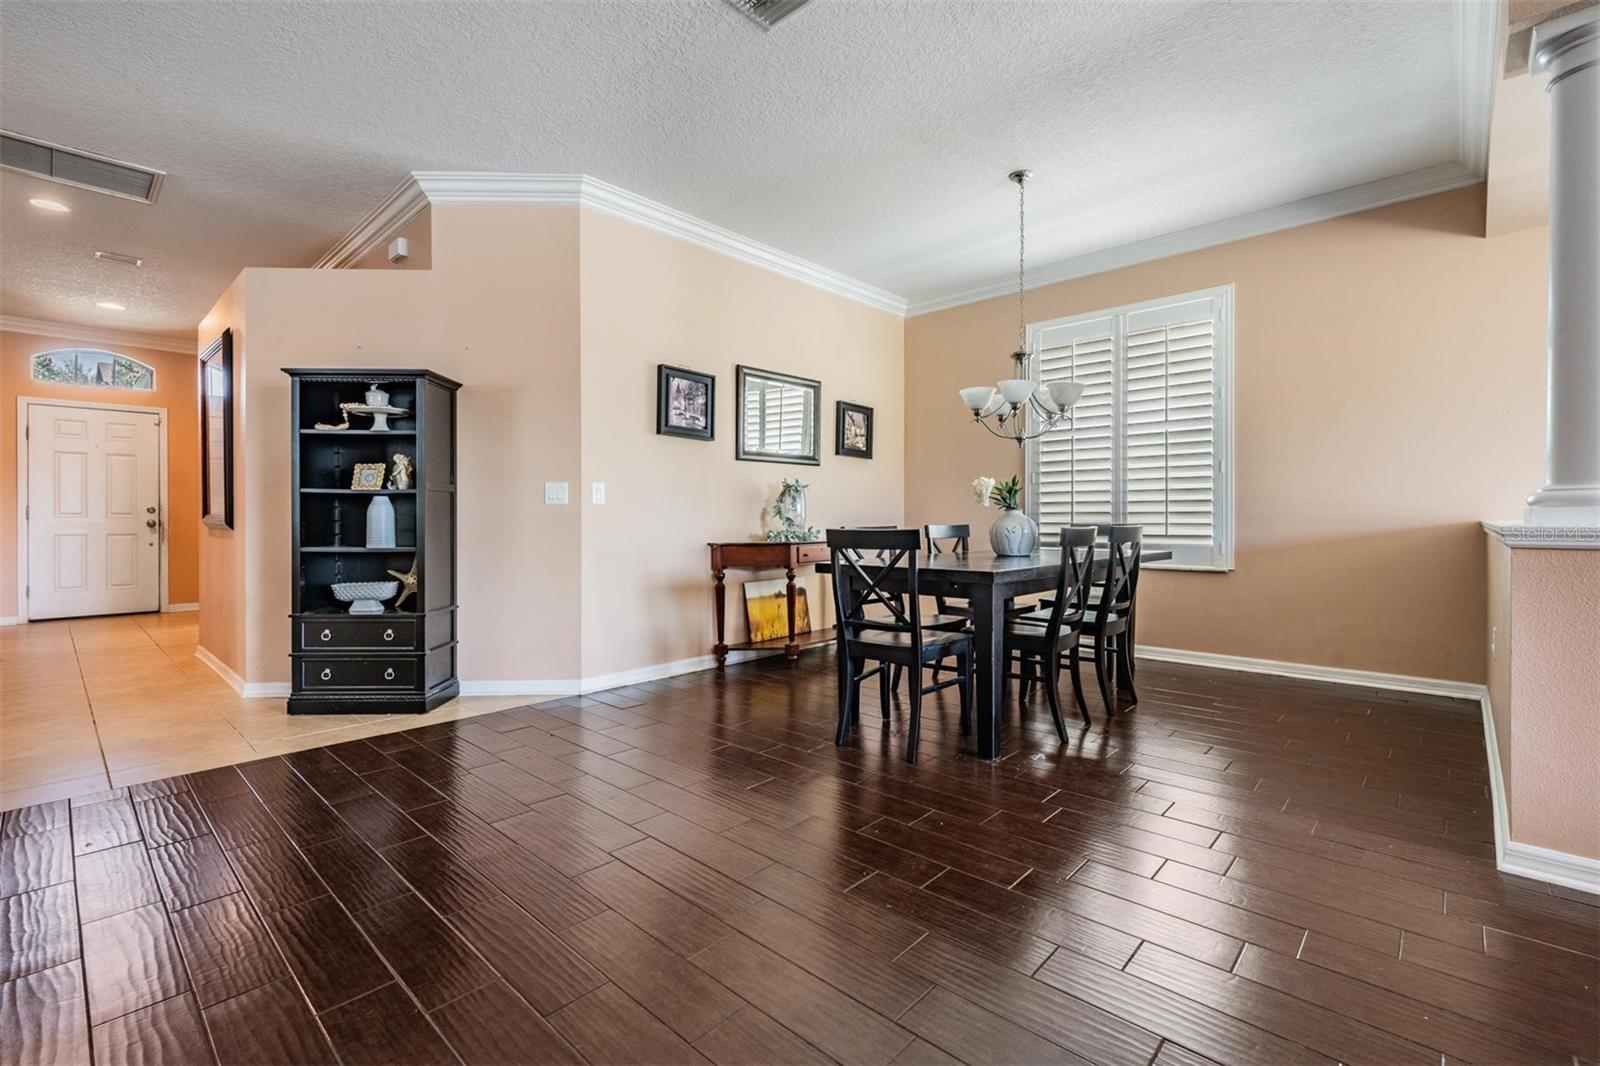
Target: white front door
{"points": [[93, 511]]}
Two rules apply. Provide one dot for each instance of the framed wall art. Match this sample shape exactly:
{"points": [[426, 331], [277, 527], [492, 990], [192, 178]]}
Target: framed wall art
{"points": [[852, 431], [686, 403]]}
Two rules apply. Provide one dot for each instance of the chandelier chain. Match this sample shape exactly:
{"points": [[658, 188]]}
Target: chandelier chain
{"points": [[1022, 248]]}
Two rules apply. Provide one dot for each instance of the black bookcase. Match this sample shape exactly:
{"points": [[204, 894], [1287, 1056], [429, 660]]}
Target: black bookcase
{"points": [[401, 661]]}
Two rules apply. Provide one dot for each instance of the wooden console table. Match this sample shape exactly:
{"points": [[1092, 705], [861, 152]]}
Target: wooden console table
{"points": [[764, 555]]}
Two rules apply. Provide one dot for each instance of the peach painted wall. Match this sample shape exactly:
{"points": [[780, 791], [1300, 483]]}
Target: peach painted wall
{"points": [[175, 390], [1547, 719], [498, 312], [222, 551], [649, 298], [1389, 394]]}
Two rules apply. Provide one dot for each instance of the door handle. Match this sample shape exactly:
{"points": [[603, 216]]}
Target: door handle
{"points": [[150, 523], [149, 510]]}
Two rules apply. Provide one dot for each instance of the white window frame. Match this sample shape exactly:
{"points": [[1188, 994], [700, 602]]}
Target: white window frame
{"points": [[1219, 557]]}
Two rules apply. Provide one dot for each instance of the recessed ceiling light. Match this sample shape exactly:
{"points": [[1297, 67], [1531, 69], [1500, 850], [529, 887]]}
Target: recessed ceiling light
{"points": [[49, 205], [110, 305]]}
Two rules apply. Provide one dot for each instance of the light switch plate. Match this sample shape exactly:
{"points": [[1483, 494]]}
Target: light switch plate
{"points": [[597, 492], [555, 492]]}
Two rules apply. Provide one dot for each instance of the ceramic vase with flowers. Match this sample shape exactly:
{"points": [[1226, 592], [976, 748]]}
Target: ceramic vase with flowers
{"points": [[1013, 533]]}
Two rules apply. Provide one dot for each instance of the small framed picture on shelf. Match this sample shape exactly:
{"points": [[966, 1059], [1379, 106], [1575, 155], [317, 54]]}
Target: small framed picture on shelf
{"points": [[852, 434], [368, 477], [686, 403]]}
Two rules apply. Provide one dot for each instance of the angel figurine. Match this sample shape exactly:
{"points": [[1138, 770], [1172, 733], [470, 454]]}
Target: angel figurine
{"points": [[400, 475]]}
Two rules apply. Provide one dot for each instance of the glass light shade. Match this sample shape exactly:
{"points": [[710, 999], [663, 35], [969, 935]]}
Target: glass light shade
{"points": [[977, 397], [1016, 390], [1066, 393], [1042, 397]]}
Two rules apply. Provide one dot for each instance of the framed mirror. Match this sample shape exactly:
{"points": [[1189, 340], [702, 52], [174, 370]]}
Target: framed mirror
{"points": [[779, 418], [216, 432]]}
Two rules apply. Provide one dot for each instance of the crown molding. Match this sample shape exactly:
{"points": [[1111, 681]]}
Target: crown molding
{"points": [[1425, 182], [1480, 38], [399, 207], [422, 188], [96, 334], [602, 196]]}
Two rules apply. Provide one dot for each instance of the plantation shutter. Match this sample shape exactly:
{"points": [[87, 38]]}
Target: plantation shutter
{"points": [[1147, 441], [1169, 425], [777, 418], [1074, 483]]}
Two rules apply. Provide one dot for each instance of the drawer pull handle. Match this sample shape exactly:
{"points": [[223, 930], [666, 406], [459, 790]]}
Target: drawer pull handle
{"points": [[327, 634], [326, 674], [388, 675], [388, 634]]}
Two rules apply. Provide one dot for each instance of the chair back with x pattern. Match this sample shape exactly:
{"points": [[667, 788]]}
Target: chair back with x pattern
{"points": [[1121, 584], [863, 561], [1071, 600]]}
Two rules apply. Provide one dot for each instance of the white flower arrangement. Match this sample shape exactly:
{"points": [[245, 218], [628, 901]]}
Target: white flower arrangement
{"points": [[981, 489]]}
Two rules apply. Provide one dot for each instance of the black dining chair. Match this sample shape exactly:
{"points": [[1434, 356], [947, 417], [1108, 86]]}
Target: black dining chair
{"points": [[894, 635], [1108, 627], [947, 540], [942, 619], [1040, 640]]}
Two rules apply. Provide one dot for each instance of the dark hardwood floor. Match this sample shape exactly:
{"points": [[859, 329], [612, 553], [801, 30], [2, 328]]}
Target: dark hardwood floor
{"points": [[1244, 869]]}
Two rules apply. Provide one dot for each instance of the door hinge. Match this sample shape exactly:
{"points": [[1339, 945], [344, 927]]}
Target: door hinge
{"points": [[27, 432], [27, 592], [27, 512]]}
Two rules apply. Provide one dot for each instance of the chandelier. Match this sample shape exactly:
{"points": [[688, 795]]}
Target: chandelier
{"points": [[1017, 408]]}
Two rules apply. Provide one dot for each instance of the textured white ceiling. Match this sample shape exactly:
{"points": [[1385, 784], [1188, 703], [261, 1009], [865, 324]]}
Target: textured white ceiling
{"points": [[870, 137]]}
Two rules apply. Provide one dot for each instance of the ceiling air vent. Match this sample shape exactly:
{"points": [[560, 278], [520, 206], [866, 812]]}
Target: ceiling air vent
{"points": [[82, 169], [768, 13]]}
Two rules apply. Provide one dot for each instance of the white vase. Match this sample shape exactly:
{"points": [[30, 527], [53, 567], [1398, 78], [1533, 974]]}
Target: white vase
{"points": [[380, 523], [1014, 533]]}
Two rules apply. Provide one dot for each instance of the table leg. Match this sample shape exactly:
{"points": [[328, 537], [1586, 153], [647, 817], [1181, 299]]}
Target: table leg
{"points": [[720, 648], [791, 650], [988, 626]]}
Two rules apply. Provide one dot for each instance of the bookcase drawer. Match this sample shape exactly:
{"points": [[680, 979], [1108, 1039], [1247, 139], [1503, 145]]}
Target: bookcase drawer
{"points": [[323, 674], [342, 633]]}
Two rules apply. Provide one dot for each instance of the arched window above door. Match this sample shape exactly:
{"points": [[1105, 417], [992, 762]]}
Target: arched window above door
{"points": [[92, 366]]}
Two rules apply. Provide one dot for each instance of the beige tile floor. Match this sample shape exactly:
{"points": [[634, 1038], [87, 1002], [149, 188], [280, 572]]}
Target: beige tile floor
{"points": [[97, 703]]}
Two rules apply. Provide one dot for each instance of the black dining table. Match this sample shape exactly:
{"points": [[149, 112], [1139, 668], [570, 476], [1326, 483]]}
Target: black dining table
{"points": [[988, 582]]}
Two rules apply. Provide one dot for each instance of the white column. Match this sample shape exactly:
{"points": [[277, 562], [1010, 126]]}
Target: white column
{"points": [[1568, 50]]}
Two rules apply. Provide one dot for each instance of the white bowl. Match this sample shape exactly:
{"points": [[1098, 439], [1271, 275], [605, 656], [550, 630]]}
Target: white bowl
{"points": [[350, 591]]}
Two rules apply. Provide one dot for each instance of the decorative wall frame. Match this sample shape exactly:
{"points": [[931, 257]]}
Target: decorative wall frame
{"points": [[216, 432], [778, 418], [686, 403], [852, 430]]}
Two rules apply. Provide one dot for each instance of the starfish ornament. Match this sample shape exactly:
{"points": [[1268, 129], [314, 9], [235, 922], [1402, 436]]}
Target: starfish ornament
{"points": [[408, 583]]}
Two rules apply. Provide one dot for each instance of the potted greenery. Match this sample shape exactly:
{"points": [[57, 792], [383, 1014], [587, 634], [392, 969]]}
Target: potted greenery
{"points": [[1013, 533]]}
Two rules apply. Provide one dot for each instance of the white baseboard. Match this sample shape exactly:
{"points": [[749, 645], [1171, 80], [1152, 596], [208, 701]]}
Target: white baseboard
{"points": [[220, 668], [1557, 867], [1464, 690], [601, 682], [10, 620], [261, 690], [176, 608], [1529, 860]]}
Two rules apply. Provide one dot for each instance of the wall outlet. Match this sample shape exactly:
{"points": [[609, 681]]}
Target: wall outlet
{"points": [[597, 492], [555, 492]]}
